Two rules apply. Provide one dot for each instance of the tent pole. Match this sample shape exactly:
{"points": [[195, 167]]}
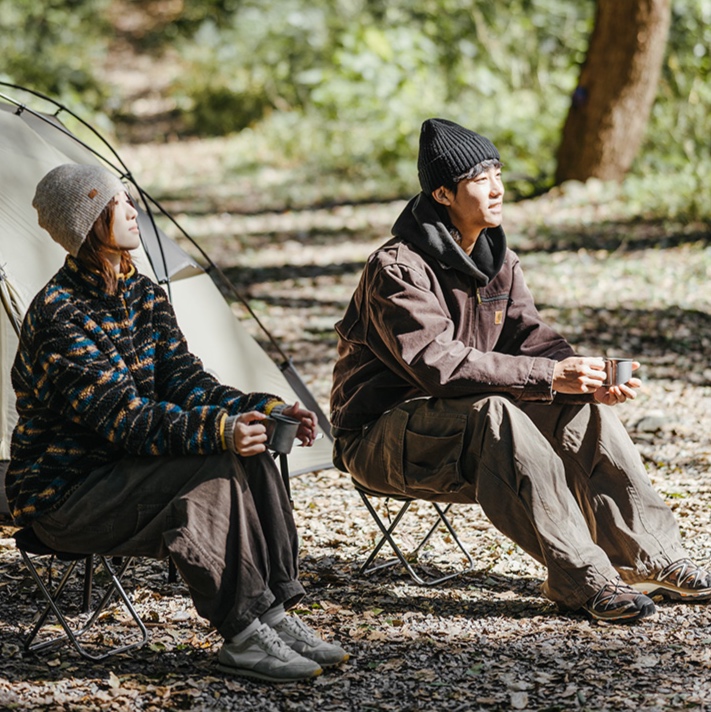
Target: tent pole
{"points": [[287, 366]]}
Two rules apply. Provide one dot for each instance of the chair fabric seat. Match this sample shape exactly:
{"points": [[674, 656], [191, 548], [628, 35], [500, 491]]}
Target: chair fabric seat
{"points": [[28, 541]]}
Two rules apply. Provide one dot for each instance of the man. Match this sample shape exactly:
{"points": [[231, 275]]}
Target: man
{"points": [[449, 387]]}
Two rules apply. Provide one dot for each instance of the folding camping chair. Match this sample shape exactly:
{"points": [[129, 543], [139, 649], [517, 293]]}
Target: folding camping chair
{"points": [[35, 554], [407, 560], [31, 548]]}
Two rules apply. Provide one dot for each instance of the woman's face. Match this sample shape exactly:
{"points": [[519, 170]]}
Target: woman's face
{"points": [[124, 226]]}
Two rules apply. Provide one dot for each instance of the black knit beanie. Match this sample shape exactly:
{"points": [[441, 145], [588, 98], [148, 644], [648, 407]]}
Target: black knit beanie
{"points": [[448, 150]]}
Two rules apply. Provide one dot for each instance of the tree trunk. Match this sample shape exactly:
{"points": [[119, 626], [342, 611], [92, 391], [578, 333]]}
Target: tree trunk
{"points": [[615, 94]]}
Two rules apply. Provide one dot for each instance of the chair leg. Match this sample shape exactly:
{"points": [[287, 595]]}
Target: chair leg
{"points": [[172, 571], [366, 568], [387, 536], [88, 583], [284, 469], [72, 636]]}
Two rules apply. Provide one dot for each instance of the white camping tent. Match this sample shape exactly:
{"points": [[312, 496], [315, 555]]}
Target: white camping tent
{"points": [[32, 143]]}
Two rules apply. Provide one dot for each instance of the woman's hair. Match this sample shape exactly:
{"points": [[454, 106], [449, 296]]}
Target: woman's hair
{"points": [[98, 244]]}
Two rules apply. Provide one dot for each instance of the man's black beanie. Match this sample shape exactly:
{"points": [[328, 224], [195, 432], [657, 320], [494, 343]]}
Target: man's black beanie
{"points": [[448, 150]]}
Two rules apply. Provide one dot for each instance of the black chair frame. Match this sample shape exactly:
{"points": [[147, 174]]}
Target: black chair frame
{"points": [[388, 531], [30, 548]]}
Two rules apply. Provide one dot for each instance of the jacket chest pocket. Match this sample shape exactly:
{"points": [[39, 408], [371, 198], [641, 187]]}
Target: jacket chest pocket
{"points": [[489, 321]]}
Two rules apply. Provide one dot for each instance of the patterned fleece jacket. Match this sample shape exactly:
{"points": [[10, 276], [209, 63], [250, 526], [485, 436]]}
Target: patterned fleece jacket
{"points": [[99, 377]]}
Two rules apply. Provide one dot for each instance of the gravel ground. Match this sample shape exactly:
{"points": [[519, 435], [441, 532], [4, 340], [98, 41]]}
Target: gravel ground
{"points": [[486, 640]]}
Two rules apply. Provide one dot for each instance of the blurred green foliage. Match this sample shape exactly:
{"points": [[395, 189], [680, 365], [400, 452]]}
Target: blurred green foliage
{"points": [[361, 75], [340, 87], [56, 46], [673, 169]]}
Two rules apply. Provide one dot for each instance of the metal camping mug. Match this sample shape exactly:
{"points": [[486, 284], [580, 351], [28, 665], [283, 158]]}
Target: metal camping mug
{"points": [[281, 433], [617, 371]]}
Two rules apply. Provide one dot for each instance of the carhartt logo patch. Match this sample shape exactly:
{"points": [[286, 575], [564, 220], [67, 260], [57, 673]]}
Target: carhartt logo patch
{"points": [[92, 193], [498, 317]]}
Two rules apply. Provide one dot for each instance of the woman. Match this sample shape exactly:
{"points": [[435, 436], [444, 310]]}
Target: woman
{"points": [[126, 446]]}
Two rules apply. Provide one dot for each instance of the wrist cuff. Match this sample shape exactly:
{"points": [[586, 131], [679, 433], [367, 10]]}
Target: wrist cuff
{"points": [[230, 423]]}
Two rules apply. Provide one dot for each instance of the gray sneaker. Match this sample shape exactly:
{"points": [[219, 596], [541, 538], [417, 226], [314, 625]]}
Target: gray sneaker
{"points": [[265, 656], [300, 638]]}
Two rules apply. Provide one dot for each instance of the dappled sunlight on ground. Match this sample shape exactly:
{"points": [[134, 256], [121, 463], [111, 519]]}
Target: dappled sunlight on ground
{"points": [[488, 639]]}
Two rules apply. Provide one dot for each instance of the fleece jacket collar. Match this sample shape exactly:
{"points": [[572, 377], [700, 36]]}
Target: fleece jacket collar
{"points": [[90, 282]]}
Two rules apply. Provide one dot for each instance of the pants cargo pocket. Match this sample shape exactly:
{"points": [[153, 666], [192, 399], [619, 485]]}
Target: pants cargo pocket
{"points": [[430, 448]]}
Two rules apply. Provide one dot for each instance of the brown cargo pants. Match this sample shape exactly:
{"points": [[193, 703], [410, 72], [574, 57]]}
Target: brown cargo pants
{"points": [[225, 520], [564, 482]]}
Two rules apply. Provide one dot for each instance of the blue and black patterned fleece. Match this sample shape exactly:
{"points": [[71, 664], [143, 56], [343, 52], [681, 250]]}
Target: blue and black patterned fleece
{"points": [[98, 377]]}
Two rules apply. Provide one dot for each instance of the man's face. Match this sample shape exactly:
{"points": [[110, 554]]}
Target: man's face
{"points": [[477, 204]]}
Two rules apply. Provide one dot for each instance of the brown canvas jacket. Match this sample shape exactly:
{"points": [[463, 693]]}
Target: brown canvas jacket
{"points": [[428, 320]]}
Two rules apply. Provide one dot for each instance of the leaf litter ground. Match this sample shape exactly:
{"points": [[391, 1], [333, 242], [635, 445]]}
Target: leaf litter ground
{"points": [[487, 640]]}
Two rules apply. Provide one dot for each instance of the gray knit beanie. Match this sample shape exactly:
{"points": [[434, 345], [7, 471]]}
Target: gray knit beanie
{"points": [[70, 198], [447, 151]]}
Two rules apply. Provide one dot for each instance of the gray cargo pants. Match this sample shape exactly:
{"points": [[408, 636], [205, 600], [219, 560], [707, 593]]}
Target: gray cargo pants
{"points": [[225, 520], [564, 482]]}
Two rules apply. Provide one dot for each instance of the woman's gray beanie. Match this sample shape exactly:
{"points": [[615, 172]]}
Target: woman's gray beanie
{"points": [[70, 198]]}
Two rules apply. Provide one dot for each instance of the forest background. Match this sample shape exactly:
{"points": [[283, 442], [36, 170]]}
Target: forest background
{"points": [[339, 88], [282, 134]]}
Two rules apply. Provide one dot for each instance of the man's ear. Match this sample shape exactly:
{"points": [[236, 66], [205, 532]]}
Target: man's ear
{"points": [[442, 195]]}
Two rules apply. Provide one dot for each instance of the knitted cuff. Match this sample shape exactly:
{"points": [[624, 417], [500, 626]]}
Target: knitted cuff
{"points": [[229, 437]]}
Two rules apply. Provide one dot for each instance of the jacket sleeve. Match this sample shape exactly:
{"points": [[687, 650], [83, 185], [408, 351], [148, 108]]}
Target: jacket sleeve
{"points": [[524, 331], [95, 390], [415, 336], [182, 379]]}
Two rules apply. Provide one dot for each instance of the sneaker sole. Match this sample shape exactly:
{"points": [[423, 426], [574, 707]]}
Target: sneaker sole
{"points": [[654, 588], [328, 665], [246, 672]]}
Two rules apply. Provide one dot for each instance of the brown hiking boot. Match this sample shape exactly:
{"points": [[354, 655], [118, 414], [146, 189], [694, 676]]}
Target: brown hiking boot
{"points": [[681, 581], [617, 602]]}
